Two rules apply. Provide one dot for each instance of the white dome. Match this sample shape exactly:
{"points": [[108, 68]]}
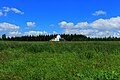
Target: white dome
{"points": [[58, 37]]}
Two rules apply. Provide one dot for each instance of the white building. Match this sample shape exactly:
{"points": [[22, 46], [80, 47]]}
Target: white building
{"points": [[58, 38]]}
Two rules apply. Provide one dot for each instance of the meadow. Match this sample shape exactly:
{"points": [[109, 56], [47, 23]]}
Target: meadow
{"points": [[86, 60]]}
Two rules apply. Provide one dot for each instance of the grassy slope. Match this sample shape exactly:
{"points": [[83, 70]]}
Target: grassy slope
{"points": [[59, 61]]}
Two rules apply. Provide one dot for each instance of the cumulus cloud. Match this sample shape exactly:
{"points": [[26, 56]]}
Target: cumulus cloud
{"points": [[5, 10], [31, 24], [107, 24], [106, 34], [64, 24], [35, 33], [97, 28], [92, 33], [8, 26], [101, 24], [10, 29], [86, 32], [15, 33], [70, 25], [100, 12], [82, 25]]}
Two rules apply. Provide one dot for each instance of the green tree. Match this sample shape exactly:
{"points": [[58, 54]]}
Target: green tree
{"points": [[3, 36]]}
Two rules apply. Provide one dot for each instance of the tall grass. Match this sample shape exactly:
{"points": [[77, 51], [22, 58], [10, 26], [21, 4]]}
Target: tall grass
{"points": [[60, 60]]}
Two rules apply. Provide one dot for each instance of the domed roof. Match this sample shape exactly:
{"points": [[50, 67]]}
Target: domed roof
{"points": [[58, 37]]}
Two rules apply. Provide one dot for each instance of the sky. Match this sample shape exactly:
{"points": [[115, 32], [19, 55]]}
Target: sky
{"points": [[93, 18]]}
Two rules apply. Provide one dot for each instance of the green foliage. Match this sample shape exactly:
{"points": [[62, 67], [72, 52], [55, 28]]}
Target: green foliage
{"points": [[59, 60], [105, 75], [4, 37]]}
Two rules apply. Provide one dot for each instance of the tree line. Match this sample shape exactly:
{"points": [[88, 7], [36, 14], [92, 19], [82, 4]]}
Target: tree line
{"points": [[67, 37]]}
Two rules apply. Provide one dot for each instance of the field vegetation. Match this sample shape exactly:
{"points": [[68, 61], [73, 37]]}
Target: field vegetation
{"points": [[86, 60]]}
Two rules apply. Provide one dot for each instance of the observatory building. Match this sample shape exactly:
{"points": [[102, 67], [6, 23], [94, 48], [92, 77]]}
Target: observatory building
{"points": [[58, 38]]}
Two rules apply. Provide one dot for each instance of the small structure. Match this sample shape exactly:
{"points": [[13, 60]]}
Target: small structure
{"points": [[58, 38]]}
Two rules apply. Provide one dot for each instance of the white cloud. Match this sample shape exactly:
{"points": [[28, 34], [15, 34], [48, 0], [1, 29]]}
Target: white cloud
{"points": [[8, 26], [82, 25], [97, 28], [107, 24], [86, 32], [106, 34], [100, 24], [10, 29], [70, 25], [64, 24], [31, 24], [1, 13], [35, 33], [17, 11], [100, 12], [15, 33], [5, 10], [92, 33]]}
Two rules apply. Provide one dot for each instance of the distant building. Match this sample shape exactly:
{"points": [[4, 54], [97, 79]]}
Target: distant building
{"points": [[58, 38]]}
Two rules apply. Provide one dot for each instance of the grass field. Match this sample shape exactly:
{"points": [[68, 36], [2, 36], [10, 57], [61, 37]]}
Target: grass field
{"points": [[59, 60]]}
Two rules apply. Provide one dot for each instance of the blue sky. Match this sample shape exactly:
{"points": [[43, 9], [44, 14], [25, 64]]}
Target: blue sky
{"points": [[93, 18]]}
